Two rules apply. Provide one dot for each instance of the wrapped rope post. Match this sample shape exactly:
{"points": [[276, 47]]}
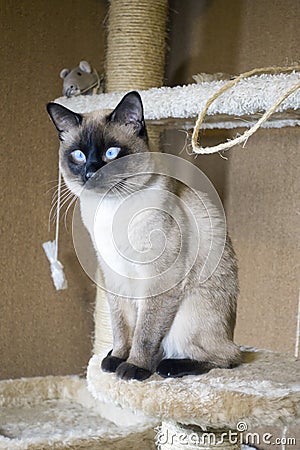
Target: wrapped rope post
{"points": [[136, 43], [136, 47], [135, 59]]}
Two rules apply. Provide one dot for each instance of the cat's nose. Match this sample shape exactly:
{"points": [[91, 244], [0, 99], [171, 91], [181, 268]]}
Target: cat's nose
{"points": [[90, 170], [88, 175]]}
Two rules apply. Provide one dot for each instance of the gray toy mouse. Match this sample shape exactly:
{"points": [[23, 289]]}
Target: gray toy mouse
{"points": [[83, 79]]}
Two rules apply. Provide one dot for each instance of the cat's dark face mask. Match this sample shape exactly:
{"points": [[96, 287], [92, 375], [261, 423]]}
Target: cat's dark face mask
{"points": [[91, 141]]}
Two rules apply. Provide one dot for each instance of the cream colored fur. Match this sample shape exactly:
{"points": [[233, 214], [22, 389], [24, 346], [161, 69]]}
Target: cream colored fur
{"points": [[187, 277]]}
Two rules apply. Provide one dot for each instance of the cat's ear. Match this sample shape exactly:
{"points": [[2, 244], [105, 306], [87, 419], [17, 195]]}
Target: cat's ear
{"points": [[63, 118], [130, 112]]}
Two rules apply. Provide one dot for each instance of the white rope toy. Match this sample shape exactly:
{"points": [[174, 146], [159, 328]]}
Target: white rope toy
{"points": [[51, 249]]}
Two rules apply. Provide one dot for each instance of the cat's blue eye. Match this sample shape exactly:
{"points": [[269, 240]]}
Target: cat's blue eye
{"points": [[78, 157], [112, 152]]}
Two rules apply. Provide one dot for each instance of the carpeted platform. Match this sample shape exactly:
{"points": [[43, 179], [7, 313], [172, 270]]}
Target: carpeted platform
{"points": [[46, 413], [246, 100], [59, 413], [263, 391]]}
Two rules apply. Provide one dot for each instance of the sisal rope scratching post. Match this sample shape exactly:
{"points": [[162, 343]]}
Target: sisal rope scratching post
{"points": [[136, 45], [135, 60], [135, 53]]}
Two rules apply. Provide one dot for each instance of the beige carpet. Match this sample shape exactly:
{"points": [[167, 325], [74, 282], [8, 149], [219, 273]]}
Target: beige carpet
{"points": [[263, 391], [249, 97], [59, 413]]}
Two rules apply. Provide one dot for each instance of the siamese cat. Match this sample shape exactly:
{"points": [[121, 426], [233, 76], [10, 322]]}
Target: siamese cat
{"points": [[187, 328]]}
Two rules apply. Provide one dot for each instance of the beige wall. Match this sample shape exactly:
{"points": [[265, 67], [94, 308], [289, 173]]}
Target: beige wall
{"points": [[42, 331], [259, 184]]}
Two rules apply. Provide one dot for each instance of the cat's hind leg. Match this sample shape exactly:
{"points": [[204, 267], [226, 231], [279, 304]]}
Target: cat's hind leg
{"points": [[199, 340], [199, 361]]}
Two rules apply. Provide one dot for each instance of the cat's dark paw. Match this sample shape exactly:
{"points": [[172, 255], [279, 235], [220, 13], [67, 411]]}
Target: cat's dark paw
{"points": [[181, 367], [128, 371], [111, 363]]}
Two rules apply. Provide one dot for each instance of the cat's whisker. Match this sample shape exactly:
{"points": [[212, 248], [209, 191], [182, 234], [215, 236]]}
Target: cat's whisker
{"points": [[63, 184], [123, 184], [133, 183], [132, 188], [116, 190], [124, 193], [65, 196], [49, 181], [123, 190], [128, 184], [52, 216], [56, 200], [62, 192], [53, 206], [56, 186], [51, 189], [65, 199], [128, 190], [67, 210]]}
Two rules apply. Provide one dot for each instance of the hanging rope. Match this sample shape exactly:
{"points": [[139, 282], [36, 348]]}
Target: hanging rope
{"points": [[297, 330], [51, 248], [245, 136]]}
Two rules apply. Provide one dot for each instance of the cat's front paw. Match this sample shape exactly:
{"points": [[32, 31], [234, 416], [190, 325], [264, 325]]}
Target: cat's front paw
{"points": [[128, 371], [111, 363]]}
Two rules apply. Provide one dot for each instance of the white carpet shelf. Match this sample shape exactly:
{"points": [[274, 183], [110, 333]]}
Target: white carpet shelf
{"points": [[240, 106], [43, 413], [264, 391], [58, 412]]}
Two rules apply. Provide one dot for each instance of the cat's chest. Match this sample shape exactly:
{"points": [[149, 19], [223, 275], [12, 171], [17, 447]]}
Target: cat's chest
{"points": [[98, 216], [117, 238]]}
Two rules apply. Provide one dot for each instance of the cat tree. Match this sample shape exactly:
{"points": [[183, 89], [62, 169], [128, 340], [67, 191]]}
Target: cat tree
{"points": [[262, 391]]}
